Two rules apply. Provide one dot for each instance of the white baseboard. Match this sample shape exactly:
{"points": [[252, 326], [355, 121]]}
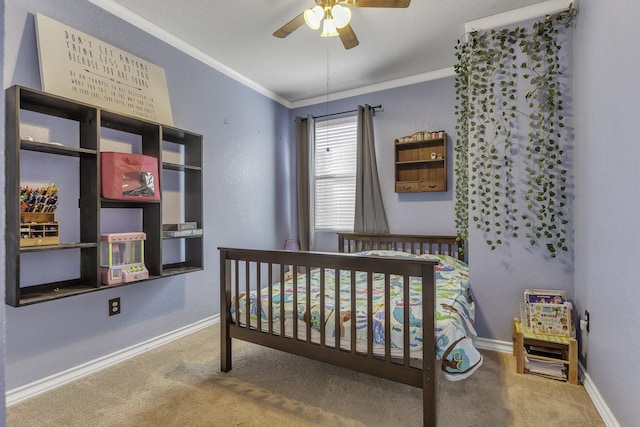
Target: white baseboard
{"points": [[56, 380], [493, 345], [601, 406], [49, 383], [604, 411]]}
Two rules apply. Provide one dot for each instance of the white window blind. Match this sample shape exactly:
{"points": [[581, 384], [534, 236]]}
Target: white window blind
{"points": [[335, 174]]}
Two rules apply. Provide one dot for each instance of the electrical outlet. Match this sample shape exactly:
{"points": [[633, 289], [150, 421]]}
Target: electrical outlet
{"points": [[114, 306], [586, 317]]}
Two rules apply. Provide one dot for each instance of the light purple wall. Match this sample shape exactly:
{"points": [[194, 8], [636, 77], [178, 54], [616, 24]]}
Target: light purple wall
{"points": [[498, 277], [245, 167], [248, 162], [607, 198], [405, 110]]}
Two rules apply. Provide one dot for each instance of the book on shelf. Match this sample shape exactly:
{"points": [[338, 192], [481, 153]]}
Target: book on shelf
{"points": [[192, 225], [550, 319], [183, 233], [537, 350], [547, 312], [546, 368], [545, 296]]}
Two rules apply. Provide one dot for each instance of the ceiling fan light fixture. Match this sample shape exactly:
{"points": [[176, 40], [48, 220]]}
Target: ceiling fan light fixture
{"points": [[334, 16], [329, 28], [313, 17], [341, 15]]}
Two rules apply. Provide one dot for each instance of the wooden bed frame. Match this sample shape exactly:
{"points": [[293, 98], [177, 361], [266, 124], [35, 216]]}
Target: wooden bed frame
{"points": [[241, 269]]}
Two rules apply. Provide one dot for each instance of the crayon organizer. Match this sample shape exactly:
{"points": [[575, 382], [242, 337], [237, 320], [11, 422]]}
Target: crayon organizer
{"points": [[38, 226], [122, 257]]}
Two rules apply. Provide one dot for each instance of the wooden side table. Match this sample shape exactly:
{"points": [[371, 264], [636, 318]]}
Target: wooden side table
{"points": [[568, 346]]}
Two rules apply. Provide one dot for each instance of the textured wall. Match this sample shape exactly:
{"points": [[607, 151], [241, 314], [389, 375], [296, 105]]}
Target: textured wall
{"points": [[248, 163], [244, 171], [498, 277], [405, 110], [607, 197]]}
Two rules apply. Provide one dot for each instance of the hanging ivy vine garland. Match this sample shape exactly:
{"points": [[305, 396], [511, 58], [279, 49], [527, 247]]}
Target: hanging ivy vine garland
{"points": [[491, 68]]}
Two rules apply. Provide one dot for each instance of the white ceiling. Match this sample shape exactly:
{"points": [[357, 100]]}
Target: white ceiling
{"points": [[236, 37]]}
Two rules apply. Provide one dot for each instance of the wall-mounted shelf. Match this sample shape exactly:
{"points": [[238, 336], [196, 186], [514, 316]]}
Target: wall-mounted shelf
{"points": [[421, 164], [91, 121]]}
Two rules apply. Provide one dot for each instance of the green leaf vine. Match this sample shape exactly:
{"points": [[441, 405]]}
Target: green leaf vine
{"points": [[461, 148], [492, 110]]}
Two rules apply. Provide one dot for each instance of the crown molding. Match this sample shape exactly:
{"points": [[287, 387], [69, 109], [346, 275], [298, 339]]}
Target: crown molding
{"points": [[502, 19], [150, 28], [143, 24], [548, 7], [363, 90]]}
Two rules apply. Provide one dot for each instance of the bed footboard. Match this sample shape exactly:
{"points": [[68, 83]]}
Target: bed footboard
{"points": [[265, 321]]}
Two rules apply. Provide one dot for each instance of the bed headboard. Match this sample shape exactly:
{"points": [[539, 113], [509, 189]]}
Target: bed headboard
{"points": [[412, 243]]}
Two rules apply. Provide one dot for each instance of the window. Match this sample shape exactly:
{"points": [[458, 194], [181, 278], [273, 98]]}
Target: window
{"points": [[335, 174]]}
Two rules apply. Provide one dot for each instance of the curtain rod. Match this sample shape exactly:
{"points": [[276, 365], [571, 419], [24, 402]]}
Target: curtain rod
{"points": [[344, 112]]}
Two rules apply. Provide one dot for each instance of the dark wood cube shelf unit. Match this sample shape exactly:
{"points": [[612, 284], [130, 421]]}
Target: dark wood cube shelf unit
{"points": [[421, 165], [91, 121]]}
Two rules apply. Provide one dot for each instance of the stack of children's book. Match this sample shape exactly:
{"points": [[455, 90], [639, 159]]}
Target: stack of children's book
{"points": [[547, 314], [544, 361]]}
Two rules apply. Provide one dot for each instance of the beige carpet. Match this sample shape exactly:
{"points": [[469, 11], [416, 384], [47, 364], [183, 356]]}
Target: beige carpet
{"points": [[180, 384]]}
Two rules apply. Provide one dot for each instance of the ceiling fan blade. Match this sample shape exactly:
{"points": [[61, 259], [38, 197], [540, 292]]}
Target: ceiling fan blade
{"points": [[290, 26], [348, 37], [378, 3]]}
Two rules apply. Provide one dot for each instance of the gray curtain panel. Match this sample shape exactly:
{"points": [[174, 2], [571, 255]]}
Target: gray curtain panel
{"points": [[305, 143], [370, 214]]}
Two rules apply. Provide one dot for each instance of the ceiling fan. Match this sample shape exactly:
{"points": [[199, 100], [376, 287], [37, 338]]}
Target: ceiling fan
{"points": [[334, 16]]}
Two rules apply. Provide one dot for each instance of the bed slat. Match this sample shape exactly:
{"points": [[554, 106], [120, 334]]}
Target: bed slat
{"points": [[259, 299], [237, 283], [337, 312], [369, 314], [354, 320], [282, 313], [270, 299], [247, 290], [308, 290], [405, 319], [387, 317], [323, 330], [294, 281]]}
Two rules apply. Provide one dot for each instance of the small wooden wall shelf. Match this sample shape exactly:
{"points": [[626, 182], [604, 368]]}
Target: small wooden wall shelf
{"points": [[421, 164]]}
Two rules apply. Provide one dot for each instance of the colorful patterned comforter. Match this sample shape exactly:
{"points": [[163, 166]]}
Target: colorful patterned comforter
{"points": [[455, 311]]}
